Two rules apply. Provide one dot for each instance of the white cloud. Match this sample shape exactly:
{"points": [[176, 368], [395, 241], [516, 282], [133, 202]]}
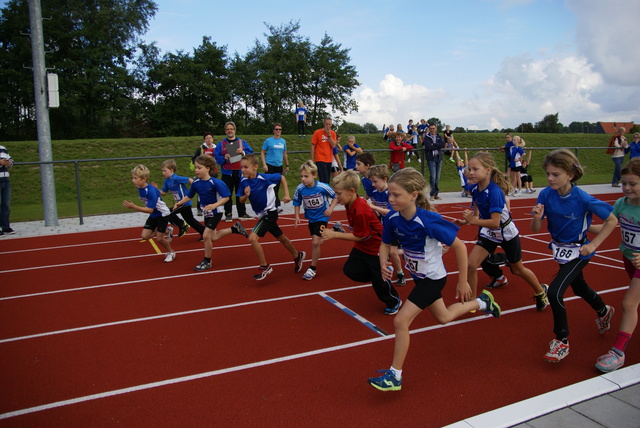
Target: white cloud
{"points": [[606, 34]]}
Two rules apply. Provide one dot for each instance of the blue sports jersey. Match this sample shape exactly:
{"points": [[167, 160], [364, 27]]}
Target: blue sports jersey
{"points": [[176, 185], [209, 192], [349, 161], [314, 200], [515, 153], [380, 199], [300, 112], [151, 198], [367, 186], [263, 195], [569, 216], [492, 200], [420, 238]]}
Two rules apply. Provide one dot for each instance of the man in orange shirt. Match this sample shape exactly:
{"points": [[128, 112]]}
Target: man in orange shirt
{"points": [[322, 144]]}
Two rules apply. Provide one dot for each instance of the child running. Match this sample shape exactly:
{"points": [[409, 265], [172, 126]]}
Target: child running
{"points": [[379, 202], [627, 210], [175, 184], [420, 231], [363, 264], [364, 161], [154, 206], [259, 188], [491, 214], [312, 195], [568, 210], [212, 193]]}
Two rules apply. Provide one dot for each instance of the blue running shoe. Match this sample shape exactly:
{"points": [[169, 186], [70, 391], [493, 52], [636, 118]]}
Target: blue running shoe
{"points": [[394, 309], [386, 382], [492, 307]]}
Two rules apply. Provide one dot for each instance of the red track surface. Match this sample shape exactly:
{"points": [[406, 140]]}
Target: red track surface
{"points": [[96, 331]]}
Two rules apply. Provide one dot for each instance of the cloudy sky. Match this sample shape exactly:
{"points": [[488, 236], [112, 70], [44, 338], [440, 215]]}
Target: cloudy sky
{"points": [[479, 64]]}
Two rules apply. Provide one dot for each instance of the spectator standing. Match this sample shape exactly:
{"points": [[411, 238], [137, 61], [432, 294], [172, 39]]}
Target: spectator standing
{"points": [[351, 150], [274, 157], [507, 149], [617, 146], [422, 128], [322, 143], [5, 192], [228, 154], [206, 148], [301, 119], [433, 145], [634, 146], [398, 150]]}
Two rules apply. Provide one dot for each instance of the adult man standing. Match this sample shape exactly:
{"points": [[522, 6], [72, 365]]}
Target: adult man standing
{"points": [[228, 153], [5, 192], [322, 144], [433, 145]]}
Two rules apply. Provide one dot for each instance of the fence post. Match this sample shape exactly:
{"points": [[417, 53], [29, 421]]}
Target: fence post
{"points": [[77, 168]]}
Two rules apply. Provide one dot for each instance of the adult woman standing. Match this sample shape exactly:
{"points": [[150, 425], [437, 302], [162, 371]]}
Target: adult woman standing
{"points": [[617, 146], [274, 156]]}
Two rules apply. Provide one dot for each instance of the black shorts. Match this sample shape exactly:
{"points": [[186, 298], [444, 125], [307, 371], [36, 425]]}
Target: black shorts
{"points": [[268, 223], [317, 228], [426, 291], [515, 168], [526, 178], [511, 248], [335, 168], [157, 223], [212, 222]]}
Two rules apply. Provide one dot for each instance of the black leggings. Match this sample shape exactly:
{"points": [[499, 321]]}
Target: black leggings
{"points": [[363, 267]]}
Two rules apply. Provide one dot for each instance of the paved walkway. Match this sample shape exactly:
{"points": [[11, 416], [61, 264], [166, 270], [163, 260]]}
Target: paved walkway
{"points": [[611, 400]]}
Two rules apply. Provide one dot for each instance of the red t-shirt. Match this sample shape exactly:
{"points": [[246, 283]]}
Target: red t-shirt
{"points": [[364, 223]]}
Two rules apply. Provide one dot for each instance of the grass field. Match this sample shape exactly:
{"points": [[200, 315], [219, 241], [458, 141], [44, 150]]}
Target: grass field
{"points": [[104, 184]]}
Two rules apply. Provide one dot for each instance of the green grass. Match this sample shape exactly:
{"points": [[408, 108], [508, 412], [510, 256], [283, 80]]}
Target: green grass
{"points": [[104, 184]]}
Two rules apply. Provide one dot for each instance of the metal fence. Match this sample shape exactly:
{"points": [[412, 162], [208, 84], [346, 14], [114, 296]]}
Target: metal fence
{"points": [[76, 162]]}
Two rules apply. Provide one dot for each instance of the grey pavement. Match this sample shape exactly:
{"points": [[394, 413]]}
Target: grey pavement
{"points": [[611, 400]]}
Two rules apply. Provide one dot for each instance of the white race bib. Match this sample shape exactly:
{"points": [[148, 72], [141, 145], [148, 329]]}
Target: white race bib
{"points": [[416, 263], [565, 252], [313, 202], [494, 235], [630, 235], [207, 213]]}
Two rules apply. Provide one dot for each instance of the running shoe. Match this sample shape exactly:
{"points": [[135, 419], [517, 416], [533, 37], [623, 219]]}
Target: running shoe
{"points": [[542, 301], [9, 231], [171, 256], [263, 271], [309, 274], [497, 283], [228, 218], [401, 279], [2, 235], [610, 361], [557, 351], [298, 261], [204, 265], [168, 234], [492, 307], [604, 323], [386, 382], [239, 229], [394, 309], [337, 226], [183, 230], [245, 217]]}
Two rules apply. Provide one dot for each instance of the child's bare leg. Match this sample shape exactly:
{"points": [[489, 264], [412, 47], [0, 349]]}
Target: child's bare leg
{"points": [[257, 248], [528, 275], [208, 245], [401, 323], [316, 244], [477, 255], [395, 259], [630, 304], [163, 241], [288, 245], [147, 234], [444, 314]]}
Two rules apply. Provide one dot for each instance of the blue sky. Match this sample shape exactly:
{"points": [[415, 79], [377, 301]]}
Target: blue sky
{"points": [[480, 64]]}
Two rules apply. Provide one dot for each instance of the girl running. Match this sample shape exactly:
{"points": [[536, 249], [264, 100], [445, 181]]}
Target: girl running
{"points": [[491, 214], [568, 210], [627, 210], [420, 232]]}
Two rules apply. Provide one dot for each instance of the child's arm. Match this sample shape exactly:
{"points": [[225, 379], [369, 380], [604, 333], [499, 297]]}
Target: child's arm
{"points": [[384, 251], [463, 290], [286, 198], [608, 226], [536, 222], [473, 219], [132, 206], [331, 234], [247, 191], [296, 211], [217, 204], [181, 202], [380, 210], [329, 210], [264, 161]]}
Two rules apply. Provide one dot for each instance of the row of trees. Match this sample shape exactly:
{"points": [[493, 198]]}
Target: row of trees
{"points": [[114, 85]]}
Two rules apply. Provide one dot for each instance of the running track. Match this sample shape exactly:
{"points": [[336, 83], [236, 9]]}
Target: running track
{"points": [[96, 331]]}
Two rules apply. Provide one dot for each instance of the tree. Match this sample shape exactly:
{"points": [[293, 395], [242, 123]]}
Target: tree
{"points": [[333, 79], [370, 128], [91, 45], [459, 130], [351, 128], [437, 122], [525, 127], [549, 124]]}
